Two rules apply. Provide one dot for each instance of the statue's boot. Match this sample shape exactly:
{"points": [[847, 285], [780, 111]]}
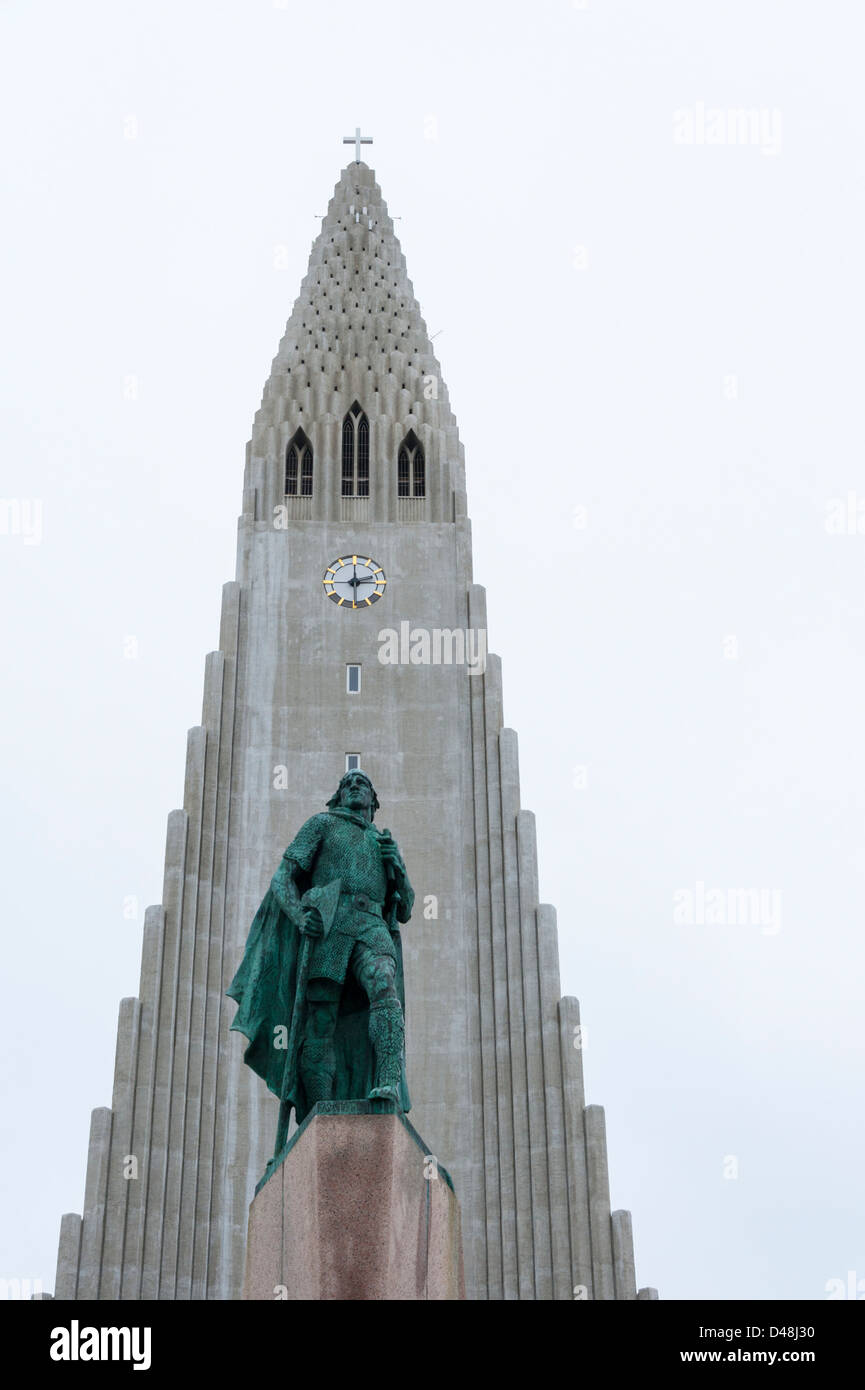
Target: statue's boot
{"points": [[318, 1069], [387, 1035]]}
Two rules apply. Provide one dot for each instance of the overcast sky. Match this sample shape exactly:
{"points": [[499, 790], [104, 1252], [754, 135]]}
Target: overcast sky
{"points": [[649, 316]]}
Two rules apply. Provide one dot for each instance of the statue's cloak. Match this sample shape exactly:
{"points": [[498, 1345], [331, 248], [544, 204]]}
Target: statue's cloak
{"points": [[265, 988]]}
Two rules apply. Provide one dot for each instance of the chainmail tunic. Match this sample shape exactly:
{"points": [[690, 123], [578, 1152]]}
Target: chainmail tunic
{"points": [[332, 847]]}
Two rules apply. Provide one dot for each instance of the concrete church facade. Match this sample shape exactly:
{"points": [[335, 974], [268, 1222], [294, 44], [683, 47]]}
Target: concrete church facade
{"points": [[353, 632]]}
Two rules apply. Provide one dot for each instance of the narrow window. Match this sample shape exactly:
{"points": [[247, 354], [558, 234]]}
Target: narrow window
{"points": [[352, 762], [355, 453], [291, 472], [347, 457], [419, 474], [298, 467], [352, 679], [306, 473], [411, 468], [363, 457], [403, 474]]}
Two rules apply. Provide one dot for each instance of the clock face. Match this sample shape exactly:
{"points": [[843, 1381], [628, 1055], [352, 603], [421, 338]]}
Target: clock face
{"points": [[354, 581]]}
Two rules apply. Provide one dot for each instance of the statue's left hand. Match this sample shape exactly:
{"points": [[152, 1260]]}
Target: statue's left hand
{"points": [[312, 925]]}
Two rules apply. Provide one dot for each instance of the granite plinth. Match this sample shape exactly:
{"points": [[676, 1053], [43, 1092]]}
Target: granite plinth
{"points": [[355, 1209]]}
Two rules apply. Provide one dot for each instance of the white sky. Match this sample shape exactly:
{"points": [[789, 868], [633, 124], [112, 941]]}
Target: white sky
{"points": [[161, 162]]}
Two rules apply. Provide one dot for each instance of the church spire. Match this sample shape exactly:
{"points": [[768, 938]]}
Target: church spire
{"points": [[356, 334], [355, 450]]}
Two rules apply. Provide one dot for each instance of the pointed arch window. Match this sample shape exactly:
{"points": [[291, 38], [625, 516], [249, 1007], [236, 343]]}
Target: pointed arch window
{"points": [[298, 467], [355, 453], [411, 468]]}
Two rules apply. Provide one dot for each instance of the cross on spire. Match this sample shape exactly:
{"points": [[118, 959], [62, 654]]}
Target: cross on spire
{"points": [[357, 140]]}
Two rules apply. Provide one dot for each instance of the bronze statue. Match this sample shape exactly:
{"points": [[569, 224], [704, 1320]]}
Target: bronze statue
{"points": [[320, 988]]}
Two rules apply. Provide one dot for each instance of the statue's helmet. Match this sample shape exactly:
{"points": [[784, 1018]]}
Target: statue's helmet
{"points": [[354, 773]]}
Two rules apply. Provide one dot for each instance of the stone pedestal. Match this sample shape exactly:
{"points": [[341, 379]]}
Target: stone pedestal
{"points": [[355, 1208]]}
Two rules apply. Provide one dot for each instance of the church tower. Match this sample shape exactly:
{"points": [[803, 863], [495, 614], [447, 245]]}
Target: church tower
{"points": [[354, 634]]}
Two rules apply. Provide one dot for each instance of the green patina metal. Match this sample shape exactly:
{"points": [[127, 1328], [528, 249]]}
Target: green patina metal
{"points": [[320, 988]]}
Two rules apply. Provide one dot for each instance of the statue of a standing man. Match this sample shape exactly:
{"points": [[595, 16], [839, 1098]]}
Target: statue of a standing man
{"points": [[320, 987]]}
